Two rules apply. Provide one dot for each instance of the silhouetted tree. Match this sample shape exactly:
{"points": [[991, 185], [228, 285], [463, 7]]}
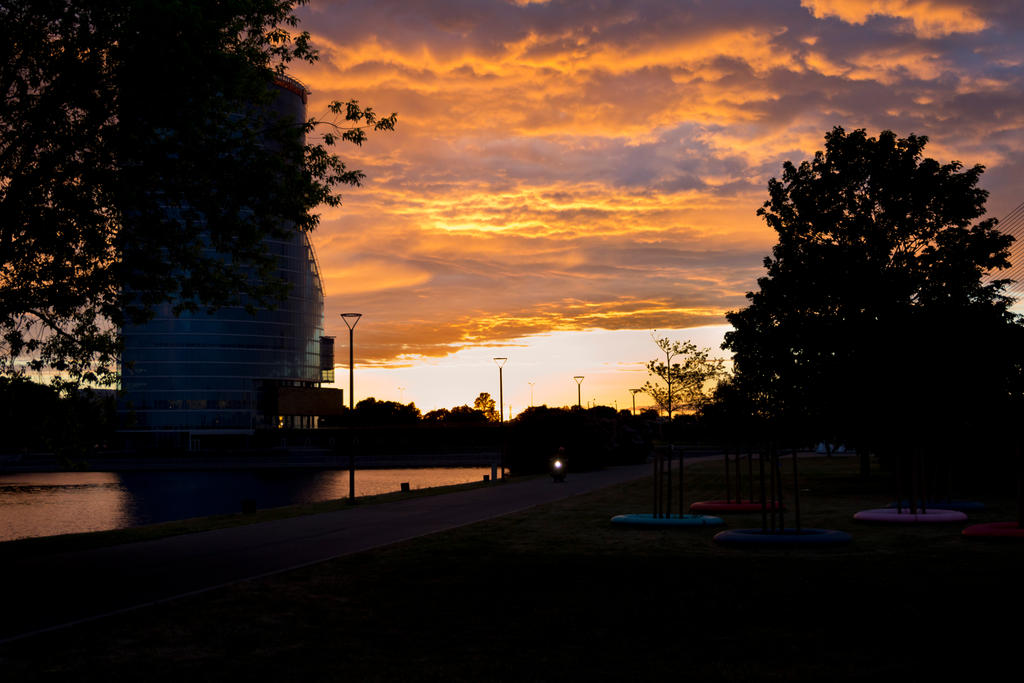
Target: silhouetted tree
{"points": [[486, 405], [142, 162], [732, 416], [686, 384], [370, 411], [36, 417], [591, 438], [436, 416], [873, 323], [648, 415], [603, 412], [466, 414], [457, 415]]}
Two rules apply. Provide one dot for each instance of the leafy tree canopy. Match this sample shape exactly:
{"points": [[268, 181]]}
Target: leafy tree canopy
{"points": [[35, 417], [873, 313], [142, 160], [373, 412], [458, 415], [486, 405], [436, 415], [685, 384]]}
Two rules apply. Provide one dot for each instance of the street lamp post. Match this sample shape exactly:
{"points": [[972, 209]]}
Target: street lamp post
{"points": [[501, 414], [579, 383], [501, 389], [531, 392], [634, 392], [351, 320]]}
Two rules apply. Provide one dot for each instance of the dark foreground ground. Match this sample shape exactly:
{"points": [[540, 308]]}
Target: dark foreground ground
{"points": [[557, 593]]}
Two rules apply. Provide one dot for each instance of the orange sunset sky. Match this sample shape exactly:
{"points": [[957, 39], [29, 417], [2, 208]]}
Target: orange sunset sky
{"points": [[568, 176]]}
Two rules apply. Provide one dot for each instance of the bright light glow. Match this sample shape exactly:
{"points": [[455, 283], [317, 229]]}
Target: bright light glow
{"points": [[612, 361]]}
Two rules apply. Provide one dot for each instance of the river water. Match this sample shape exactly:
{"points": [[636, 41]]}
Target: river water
{"points": [[50, 503]]}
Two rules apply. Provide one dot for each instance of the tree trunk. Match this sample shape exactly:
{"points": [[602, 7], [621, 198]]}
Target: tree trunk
{"points": [[681, 510], [922, 465], [764, 503], [796, 495], [739, 479], [771, 485], [657, 484], [668, 484], [750, 473], [949, 476], [899, 482], [728, 483], [778, 498], [1020, 488]]}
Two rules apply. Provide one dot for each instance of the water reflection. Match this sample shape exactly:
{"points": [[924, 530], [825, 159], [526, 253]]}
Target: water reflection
{"points": [[48, 503], [58, 502]]}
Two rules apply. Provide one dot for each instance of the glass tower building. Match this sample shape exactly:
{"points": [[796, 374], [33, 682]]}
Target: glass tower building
{"points": [[231, 371]]}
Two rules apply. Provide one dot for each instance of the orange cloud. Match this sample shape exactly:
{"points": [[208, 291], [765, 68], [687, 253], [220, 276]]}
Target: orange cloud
{"points": [[562, 166], [928, 18], [369, 275]]}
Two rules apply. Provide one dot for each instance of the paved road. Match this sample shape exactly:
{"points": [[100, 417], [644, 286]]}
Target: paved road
{"points": [[42, 593]]}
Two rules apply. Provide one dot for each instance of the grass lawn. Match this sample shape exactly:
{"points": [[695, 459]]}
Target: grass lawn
{"points": [[557, 593]]}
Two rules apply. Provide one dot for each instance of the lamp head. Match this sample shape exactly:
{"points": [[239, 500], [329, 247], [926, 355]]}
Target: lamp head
{"points": [[351, 319], [578, 378], [500, 361]]}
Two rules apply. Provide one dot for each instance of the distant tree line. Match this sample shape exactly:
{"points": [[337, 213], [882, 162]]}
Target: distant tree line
{"points": [[372, 412], [38, 418], [590, 438]]}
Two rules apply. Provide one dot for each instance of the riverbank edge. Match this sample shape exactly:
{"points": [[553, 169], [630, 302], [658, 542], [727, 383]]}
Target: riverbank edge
{"points": [[295, 458], [88, 540]]}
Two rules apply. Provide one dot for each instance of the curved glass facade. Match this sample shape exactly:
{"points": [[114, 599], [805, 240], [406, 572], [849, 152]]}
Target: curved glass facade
{"points": [[208, 371], [200, 371]]}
